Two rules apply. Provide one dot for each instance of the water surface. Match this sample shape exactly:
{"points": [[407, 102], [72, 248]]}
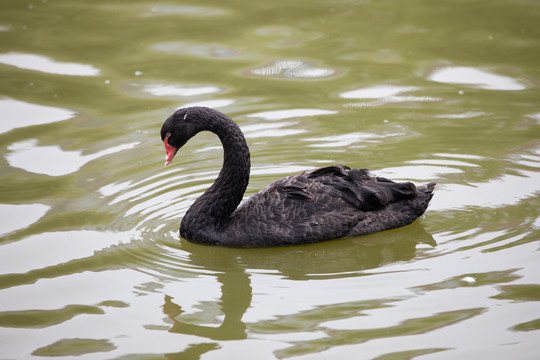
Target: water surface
{"points": [[91, 264]]}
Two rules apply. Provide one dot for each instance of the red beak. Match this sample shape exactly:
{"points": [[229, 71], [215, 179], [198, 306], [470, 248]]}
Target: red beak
{"points": [[170, 151]]}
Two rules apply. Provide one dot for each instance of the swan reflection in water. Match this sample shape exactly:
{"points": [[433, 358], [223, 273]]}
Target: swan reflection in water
{"points": [[327, 260]]}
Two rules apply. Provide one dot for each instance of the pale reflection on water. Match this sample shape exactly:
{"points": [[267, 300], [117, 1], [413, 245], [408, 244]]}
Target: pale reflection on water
{"points": [[291, 113], [381, 95], [178, 90], [17, 114], [475, 77], [47, 65], [52, 160], [15, 217]]}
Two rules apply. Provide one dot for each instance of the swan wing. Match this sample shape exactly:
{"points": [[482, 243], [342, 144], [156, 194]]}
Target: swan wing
{"points": [[317, 204]]}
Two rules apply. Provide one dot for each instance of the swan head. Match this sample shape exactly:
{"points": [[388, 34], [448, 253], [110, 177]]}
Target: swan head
{"points": [[179, 128]]}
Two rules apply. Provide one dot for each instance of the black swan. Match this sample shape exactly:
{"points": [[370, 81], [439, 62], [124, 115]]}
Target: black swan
{"points": [[319, 204]]}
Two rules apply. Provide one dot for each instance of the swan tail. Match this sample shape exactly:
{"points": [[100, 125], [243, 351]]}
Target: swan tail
{"points": [[395, 214], [425, 194]]}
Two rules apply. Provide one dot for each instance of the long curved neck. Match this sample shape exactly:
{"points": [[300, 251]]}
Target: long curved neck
{"points": [[217, 203]]}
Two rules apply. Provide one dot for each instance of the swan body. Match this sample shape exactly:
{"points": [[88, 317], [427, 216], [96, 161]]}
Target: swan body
{"points": [[319, 204]]}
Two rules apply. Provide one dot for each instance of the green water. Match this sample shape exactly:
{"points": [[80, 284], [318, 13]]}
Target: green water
{"points": [[91, 264]]}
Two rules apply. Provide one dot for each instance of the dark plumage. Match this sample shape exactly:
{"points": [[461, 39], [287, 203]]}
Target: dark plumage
{"points": [[316, 205]]}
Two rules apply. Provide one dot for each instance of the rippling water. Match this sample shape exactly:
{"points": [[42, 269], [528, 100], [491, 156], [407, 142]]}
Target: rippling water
{"points": [[91, 264]]}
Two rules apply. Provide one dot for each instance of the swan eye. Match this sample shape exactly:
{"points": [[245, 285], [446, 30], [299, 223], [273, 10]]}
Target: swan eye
{"points": [[167, 138]]}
